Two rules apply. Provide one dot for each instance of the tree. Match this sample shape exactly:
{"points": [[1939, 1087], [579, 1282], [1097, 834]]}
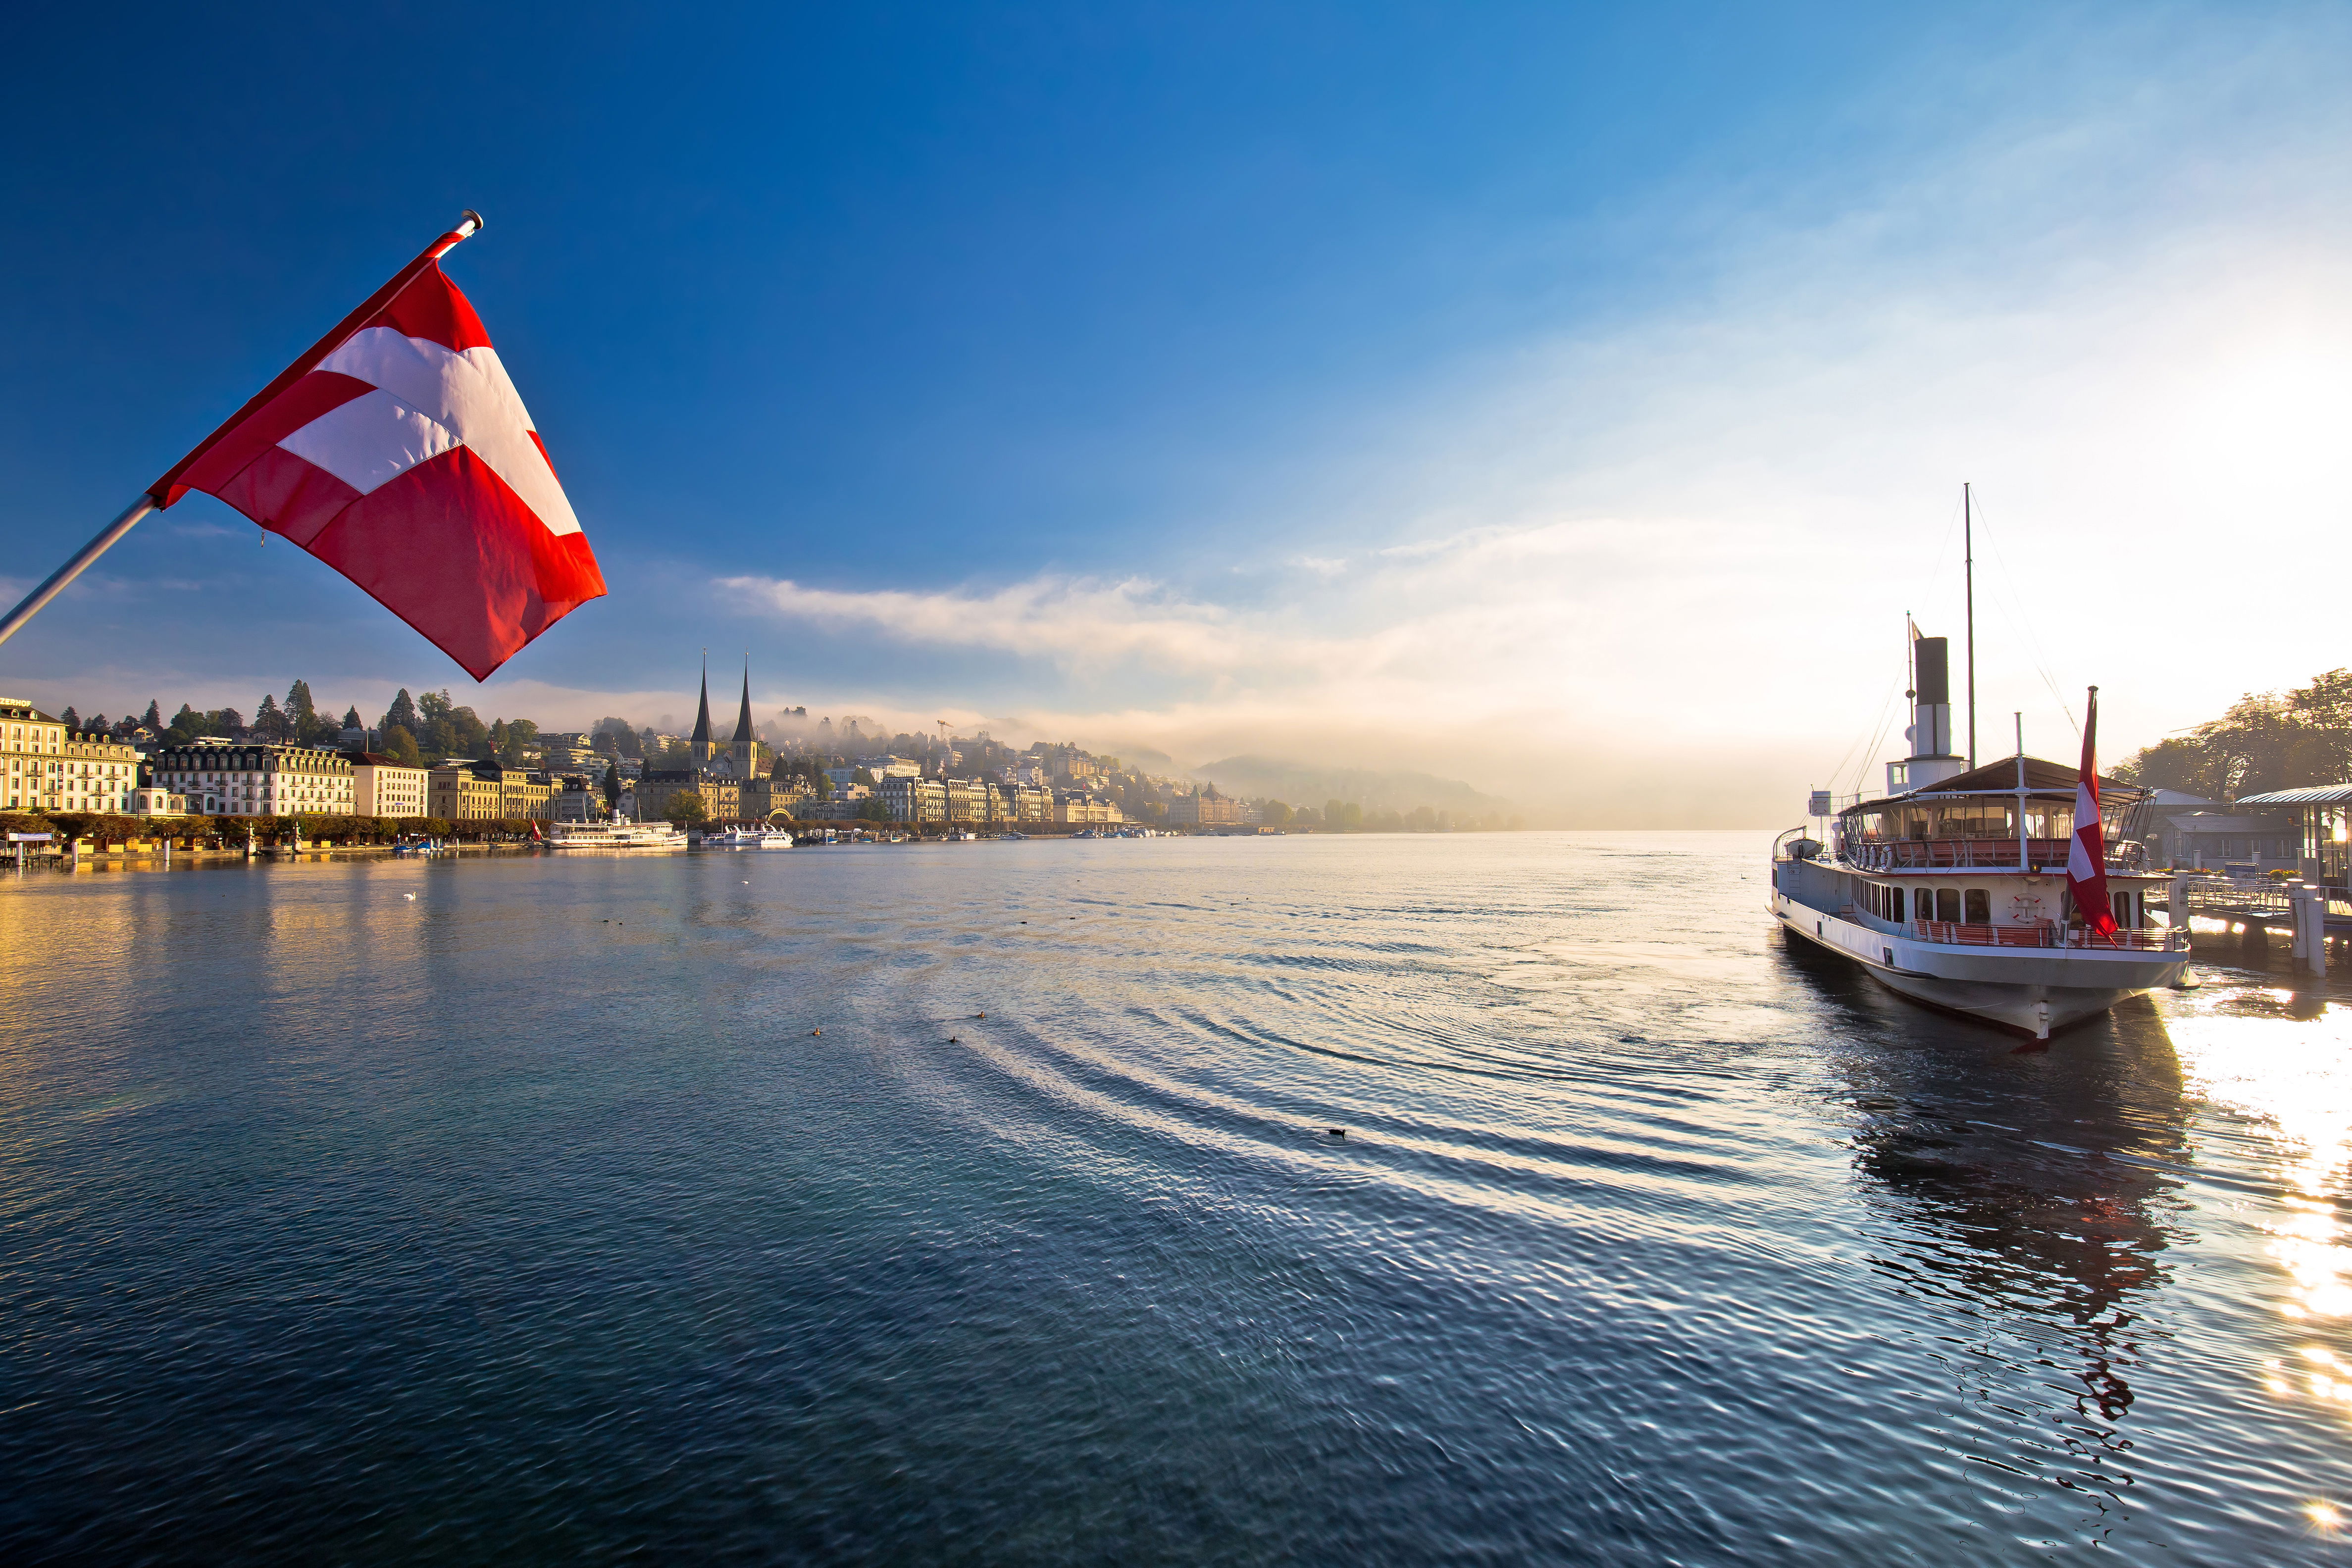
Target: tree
{"points": [[870, 810], [71, 720], [226, 721], [1275, 815], [617, 738], [611, 784], [269, 722], [399, 742], [684, 807], [402, 712], [301, 712], [351, 718], [155, 716]]}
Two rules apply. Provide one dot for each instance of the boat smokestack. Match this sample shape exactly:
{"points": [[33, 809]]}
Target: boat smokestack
{"points": [[1931, 697], [1932, 759]]}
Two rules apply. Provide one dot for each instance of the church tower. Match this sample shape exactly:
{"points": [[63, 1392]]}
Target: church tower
{"points": [[744, 751], [703, 748]]}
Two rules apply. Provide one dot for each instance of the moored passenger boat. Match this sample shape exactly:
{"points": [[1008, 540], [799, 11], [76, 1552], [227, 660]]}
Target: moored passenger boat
{"points": [[619, 834], [1974, 889]]}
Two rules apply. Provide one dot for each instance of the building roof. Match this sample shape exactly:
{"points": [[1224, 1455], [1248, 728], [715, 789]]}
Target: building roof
{"points": [[2317, 795], [378, 759]]}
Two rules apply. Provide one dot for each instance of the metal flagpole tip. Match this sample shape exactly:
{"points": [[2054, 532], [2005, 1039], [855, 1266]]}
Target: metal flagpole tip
{"points": [[471, 224]]}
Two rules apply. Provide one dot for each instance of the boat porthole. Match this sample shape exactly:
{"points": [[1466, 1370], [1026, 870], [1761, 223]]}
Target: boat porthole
{"points": [[1817, 928]]}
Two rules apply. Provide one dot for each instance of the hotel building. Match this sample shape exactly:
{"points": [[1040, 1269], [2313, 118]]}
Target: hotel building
{"points": [[223, 777], [44, 767]]}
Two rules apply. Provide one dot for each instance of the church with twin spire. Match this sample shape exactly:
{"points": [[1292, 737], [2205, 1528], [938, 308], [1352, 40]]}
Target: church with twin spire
{"points": [[730, 779], [743, 756]]}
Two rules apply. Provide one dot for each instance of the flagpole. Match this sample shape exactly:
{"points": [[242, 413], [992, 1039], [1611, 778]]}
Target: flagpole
{"points": [[469, 223], [76, 567]]}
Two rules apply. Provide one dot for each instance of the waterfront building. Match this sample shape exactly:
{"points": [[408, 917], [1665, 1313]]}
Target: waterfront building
{"points": [[1078, 809], [579, 801], [1203, 806], [721, 793], [223, 777], [914, 800], [967, 800], [384, 786], [44, 767], [150, 801]]}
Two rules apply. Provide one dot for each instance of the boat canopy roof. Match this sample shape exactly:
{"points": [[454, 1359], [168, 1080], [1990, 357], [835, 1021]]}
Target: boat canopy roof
{"points": [[2317, 795], [2041, 777]]}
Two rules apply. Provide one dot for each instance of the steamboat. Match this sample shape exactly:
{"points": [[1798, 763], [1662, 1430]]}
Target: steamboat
{"points": [[619, 834], [1952, 887]]}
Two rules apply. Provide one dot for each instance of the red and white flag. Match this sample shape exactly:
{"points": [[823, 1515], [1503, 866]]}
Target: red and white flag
{"points": [[2086, 858], [398, 451]]}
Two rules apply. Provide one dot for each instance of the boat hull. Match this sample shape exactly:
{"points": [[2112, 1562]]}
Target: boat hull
{"points": [[2033, 991]]}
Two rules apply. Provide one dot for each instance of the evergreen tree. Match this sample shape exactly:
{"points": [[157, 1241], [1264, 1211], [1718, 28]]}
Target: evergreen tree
{"points": [[268, 723], [351, 718], [72, 719], [300, 711], [402, 712], [97, 723], [154, 717], [611, 784]]}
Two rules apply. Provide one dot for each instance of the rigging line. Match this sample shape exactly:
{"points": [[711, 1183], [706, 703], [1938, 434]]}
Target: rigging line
{"points": [[2024, 628], [1877, 723], [1876, 742], [1943, 555]]}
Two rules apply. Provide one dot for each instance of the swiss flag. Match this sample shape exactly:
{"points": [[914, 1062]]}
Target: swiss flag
{"points": [[2087, 857], [398, 451]]}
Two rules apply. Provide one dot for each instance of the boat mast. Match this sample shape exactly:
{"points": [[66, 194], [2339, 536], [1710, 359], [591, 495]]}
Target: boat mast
{"points": [[1968, 562]]}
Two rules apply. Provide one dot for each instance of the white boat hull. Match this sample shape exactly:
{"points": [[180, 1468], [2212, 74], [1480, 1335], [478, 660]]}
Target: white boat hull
{"points": [[2034, 990]]}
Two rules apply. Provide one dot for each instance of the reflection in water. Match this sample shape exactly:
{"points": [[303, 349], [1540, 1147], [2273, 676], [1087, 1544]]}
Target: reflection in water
{"points": [[2275, 1054], [2023, 1194]]}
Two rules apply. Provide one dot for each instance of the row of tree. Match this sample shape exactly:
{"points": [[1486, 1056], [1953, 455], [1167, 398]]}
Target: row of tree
{"points": [[2268, 740]]}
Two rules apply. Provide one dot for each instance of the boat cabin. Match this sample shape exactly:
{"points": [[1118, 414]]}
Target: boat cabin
{"points": [[1980, 857]]}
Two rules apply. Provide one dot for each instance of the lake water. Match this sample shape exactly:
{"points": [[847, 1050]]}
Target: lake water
{"points": [[532, 1220]]}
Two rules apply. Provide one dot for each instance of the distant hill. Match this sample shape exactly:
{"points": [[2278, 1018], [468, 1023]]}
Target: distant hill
{"points": [[1303, 784]]}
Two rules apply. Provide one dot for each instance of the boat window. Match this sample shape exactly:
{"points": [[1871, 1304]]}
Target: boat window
{"points": [[1895, 898], [1980, 907], [1948, 905], [2122, 902], [1923, 903]]}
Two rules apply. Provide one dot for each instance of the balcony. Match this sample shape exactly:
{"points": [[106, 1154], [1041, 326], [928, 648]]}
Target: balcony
{"points": [[2049, 933], [1977, 854]]}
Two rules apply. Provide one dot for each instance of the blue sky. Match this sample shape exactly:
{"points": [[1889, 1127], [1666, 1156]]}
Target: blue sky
{"points": [[1563, 398]]}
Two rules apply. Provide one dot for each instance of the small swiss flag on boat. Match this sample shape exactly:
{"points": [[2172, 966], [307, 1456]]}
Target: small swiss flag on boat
{"points": [[2086, 858], [398, 451]]}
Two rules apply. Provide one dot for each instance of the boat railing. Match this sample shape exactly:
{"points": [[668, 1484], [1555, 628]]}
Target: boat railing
{"points": [[1977, 855], [2047, 934]]}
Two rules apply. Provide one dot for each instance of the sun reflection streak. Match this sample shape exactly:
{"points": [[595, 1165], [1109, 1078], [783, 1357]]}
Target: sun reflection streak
{"points": [[2255, 1053]]}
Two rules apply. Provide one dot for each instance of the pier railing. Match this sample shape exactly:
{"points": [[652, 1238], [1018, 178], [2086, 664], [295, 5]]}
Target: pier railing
{"points": [[2048, 934]]}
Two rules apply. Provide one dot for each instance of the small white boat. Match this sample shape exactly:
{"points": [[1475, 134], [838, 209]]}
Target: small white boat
{"points": [[619, 834], [747, 839]]}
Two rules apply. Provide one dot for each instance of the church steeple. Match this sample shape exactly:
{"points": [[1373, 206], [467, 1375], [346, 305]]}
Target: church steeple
{"points": [[701, 744], [744, 719]]}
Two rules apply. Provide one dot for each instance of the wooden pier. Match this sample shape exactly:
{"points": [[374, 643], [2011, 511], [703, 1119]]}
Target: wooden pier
{"points": [[2313, 914]]}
